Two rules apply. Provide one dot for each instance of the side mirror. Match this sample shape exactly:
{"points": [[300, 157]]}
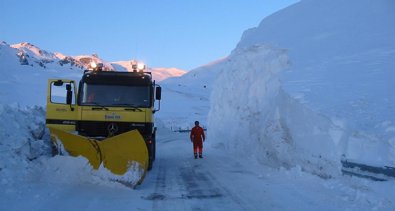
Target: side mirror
{"points": [[158, 93], [59, 83], [69, 97]]}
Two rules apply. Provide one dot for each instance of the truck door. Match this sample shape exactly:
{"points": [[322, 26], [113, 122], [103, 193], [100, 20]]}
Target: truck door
{"points": [[62, 110]]}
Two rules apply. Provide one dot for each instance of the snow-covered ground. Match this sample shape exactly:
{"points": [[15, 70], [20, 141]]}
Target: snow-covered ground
{"points": [[219, 181], [312, 84]]}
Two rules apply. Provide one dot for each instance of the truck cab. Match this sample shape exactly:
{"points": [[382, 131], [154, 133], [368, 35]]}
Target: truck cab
{"points": [[106, 104]]}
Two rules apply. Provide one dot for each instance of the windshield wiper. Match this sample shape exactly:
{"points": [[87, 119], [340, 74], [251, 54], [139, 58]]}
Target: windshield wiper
{"points": [[96, 104], [129, 105]]}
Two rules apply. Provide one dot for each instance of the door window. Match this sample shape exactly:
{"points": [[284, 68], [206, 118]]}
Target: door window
{"points": [[59, 93]]}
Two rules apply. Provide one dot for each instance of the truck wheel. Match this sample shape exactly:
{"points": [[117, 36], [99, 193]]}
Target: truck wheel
{"points": [[150, 162]]}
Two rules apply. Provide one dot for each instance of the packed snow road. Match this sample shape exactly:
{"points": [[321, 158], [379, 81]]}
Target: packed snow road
{"points": [[219, 181], [185, 183]]}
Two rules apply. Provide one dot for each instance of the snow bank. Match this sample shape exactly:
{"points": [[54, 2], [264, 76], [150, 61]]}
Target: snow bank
{"points": [[251, 115], [21, 140]]}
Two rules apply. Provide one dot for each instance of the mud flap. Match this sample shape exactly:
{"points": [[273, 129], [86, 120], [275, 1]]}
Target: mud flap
{"points": [[116, 153]]}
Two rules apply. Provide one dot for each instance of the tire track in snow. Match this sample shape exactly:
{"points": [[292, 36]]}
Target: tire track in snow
{"points": [[166, 194], [204, 190], [184, 183], [160, 185]]}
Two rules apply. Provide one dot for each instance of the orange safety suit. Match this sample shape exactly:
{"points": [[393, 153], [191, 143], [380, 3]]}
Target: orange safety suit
{"points": [[197, 137]]}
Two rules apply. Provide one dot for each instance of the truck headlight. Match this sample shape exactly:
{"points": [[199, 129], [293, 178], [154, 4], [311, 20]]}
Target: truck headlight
{"points": [[93, 65], [141, 66]]}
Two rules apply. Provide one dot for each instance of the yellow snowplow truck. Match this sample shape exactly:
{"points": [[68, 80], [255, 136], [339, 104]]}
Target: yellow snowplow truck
{"points": [[109, 120]]}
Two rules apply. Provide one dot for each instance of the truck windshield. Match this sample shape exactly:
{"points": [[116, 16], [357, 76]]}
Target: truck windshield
{"points": [[115, 95]]}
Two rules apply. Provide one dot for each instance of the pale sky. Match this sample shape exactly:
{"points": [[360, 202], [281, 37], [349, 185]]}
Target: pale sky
{"points": [[163, 33]]}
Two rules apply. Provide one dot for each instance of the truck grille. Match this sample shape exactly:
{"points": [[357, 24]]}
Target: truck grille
{"points": [[107, 129]]}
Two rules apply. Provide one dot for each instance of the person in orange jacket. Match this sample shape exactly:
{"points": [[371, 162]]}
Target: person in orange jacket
{"points": [[197, 138]]}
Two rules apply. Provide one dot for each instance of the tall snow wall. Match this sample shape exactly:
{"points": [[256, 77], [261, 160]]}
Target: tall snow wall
{"points": [[252, 116]]}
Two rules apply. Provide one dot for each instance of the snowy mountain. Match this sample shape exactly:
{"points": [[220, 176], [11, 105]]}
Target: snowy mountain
{"points": [[34, 56]]}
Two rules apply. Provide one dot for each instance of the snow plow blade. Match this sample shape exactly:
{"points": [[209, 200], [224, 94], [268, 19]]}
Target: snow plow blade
{"points": [[117, 153]]}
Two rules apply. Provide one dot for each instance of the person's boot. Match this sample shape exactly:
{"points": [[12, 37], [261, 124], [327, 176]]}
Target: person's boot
{"points": [[200, 155], [195, 155]]}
